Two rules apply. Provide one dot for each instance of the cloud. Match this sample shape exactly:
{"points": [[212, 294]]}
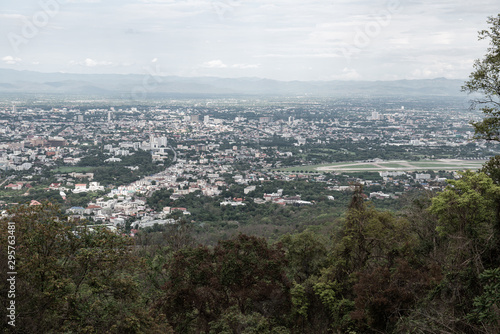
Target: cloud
{"points": [[280, 39], [92, 63], [12, 16], [303, 55], [83, 1], [348, 74], [158, 12], [214, 64], [436, 70], [442, 37], [11, 60], [131, 31], [220, 64], [157, 1], [245, 66]]}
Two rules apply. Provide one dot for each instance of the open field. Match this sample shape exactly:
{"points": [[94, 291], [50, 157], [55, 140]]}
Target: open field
{"points": [[400, 165], [442, 164]]}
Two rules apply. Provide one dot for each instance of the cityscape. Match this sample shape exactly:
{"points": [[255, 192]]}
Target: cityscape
{"points": [[102, 164], [249, 167]]}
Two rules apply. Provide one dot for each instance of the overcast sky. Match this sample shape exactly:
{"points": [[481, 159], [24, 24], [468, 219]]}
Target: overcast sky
{"points": [[276, 39]]}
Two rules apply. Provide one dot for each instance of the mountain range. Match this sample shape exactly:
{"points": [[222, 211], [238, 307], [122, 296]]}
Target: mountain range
{"points": [[139, 86]]}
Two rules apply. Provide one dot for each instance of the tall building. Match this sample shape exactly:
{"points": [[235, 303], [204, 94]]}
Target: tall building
{"points": [[109, 116], [157, 142], [163, 141], [152, 142]]}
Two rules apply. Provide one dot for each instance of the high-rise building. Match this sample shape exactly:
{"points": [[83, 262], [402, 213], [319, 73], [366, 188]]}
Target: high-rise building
{"points": [[157, 142], [153, 142], [163, 141]]}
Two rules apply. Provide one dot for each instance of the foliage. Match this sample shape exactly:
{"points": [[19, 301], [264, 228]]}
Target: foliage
{"points": [[160, 199], [233, 321], [369, 238], [467, 217], [118, 173], [487, 305], [492, 169], [244, 274], [306, 254], [384, 295], [485, 79], [72, 278]]}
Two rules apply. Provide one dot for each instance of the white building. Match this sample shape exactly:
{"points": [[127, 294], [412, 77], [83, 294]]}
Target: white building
{"points": [[422, 176], [249, 189]]}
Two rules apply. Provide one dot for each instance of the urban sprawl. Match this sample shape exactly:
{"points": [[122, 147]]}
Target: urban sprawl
{"points": [[106, 163]]}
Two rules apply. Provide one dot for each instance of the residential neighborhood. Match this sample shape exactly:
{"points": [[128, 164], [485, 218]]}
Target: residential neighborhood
{"points": [[110, 160]]}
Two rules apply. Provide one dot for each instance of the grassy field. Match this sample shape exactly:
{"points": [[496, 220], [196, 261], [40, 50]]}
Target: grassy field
{"points": [[390, 165], [435, 165]]}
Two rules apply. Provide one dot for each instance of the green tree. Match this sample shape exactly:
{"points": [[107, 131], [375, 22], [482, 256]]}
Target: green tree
{"points": [[467, 217], [306, 254], [72, 278], [370, 241], [492, 169], [385, 294], [487, 305], [370, 237], [485, 79], [240, 278], [468, 229]]}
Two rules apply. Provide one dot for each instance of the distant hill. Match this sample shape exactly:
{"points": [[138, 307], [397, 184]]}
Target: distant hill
{"points": [[141, 86]]}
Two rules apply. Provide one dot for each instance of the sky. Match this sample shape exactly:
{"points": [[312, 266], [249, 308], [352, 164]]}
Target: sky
{"points": [[276, 39]]}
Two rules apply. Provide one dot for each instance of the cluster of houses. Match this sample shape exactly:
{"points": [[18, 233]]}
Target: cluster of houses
{"points": [[207, 149], [278, 198]]}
